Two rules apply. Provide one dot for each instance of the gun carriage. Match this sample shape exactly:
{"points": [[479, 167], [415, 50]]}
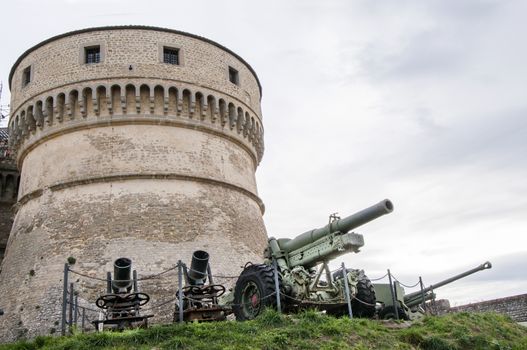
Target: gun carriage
{"points": [[120, 306], [303, 273], [200, 294], [410, 306]]}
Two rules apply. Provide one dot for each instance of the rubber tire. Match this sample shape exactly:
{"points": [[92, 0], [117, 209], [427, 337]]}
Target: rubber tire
{"points": [[365, 292], [388, 313], [260, 277]]}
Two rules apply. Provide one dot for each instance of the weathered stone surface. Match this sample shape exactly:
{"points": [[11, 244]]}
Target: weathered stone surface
{"points": [[9, 177], [150, 163], [515, 307]]}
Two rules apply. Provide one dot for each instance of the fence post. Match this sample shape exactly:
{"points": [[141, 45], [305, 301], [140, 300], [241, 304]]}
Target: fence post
{"points": [[180, 291], [277, 287], [422, 293], [211, 281], [209, 273], [347, 290], [109, 282], [136, 289], [83, 318], [64, 300], [76, 312], [394, 301], [434, 306], [70, 320]]}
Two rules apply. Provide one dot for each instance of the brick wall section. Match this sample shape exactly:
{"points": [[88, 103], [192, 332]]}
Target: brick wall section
{"points": [[515, 307], [150, 163]]}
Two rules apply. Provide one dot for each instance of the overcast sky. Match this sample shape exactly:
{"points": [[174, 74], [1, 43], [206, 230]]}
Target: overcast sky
{"points": [[422, 102]]}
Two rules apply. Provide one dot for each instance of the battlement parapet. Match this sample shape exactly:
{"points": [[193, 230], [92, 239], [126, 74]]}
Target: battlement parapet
{"points": [[151, 102]]}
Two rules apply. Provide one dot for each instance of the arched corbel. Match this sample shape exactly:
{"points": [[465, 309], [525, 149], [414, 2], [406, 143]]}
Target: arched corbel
{"points": [[123, 98], [179, 100], [166, 96], [192, 106], [152, 98]]}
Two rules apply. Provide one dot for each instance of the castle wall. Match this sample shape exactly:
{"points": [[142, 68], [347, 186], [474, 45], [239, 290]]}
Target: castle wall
{"points": [[6, 222], [9, 179], [106, 152], [129, 157], [59, 63], [515, 307], [100, 222]]}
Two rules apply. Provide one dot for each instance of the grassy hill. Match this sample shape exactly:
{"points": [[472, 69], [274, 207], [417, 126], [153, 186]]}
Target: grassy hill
{"points": [[308, 330]]}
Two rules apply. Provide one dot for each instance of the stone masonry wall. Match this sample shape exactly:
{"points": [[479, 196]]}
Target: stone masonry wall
{"points": [[515, 307], [59, 63], [9, 177], [132, 80], [129, 157], [6, 221]]}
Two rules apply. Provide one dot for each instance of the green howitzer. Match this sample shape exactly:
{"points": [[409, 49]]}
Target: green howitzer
{"points": [[326, 243], [416, 298], [409, 304], [299, 281]]}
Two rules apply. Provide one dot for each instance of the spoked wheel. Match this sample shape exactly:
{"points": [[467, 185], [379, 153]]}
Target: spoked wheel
{"points": [[251, 300], [253, 292], [139, 298]]}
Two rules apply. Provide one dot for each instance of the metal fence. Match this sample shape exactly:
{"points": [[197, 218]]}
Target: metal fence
{"points": [[76, 316]]}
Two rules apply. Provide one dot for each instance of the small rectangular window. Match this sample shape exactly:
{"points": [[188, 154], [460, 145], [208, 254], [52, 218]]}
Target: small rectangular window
{"points": [[233, 76], [170, 55], [92, 54], [26, 76]]}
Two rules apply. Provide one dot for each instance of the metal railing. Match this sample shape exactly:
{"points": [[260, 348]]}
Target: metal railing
{"points": [[73, 313]]}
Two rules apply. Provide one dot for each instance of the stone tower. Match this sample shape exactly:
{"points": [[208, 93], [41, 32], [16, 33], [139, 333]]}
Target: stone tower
{"points": [[131, 141]]}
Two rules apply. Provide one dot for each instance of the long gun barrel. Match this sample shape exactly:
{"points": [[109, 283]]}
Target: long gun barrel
{"points": [[198, 267], [122, 272], [342, 225], [415, 295]]}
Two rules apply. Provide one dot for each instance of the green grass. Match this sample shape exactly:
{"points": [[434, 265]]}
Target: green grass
{"points": [[307, 330]]}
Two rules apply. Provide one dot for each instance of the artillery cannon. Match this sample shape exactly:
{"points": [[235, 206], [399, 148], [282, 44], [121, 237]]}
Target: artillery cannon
{"points": [[200, 300], [121, 306], [301, 284], [409, 304]]}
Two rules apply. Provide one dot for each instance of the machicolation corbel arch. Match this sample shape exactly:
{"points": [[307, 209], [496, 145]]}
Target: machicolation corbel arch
{"points": [[52, 112]]}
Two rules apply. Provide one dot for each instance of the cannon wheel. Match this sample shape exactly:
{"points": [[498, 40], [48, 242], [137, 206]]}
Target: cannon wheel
{"points": [[254, 292], [388, 313], [365, 293]]}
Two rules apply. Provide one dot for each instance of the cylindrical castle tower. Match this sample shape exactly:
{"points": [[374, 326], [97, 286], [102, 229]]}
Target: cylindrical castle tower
{"points": [[131, 141]]}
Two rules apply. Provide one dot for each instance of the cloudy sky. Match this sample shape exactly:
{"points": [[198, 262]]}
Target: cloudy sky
{"points": [[422, 102]]}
